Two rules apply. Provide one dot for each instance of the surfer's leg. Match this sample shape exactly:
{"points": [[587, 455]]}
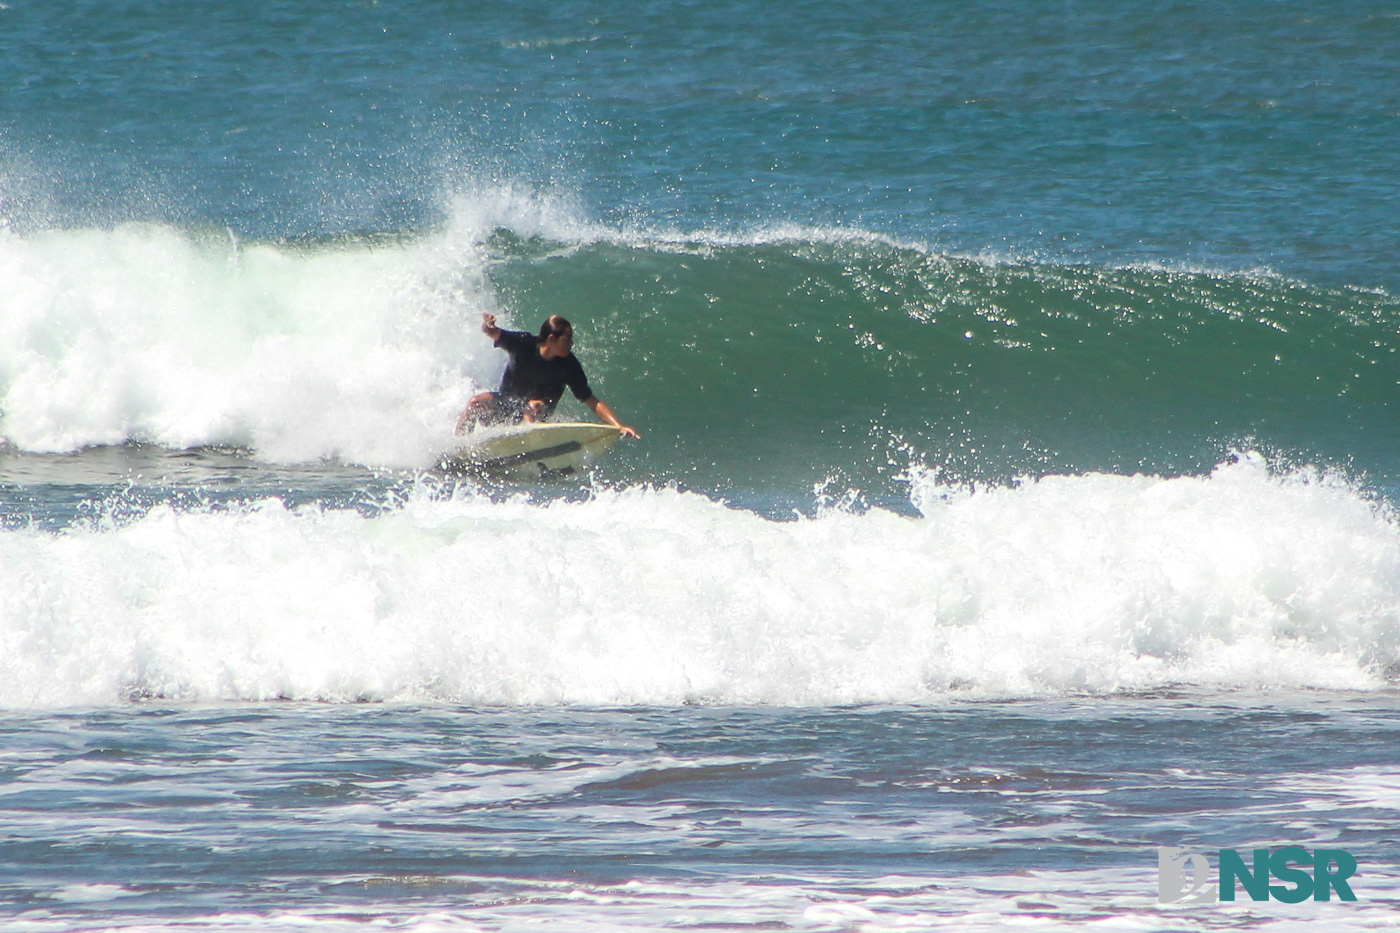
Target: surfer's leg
{"points": [[480, 410], [534, 411]]}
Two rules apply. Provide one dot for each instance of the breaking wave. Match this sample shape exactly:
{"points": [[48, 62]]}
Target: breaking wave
{"points": [[1240, 578]]}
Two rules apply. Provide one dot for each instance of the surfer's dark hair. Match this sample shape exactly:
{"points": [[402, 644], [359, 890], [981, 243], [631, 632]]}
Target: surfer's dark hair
{"points": [[553, 325]]}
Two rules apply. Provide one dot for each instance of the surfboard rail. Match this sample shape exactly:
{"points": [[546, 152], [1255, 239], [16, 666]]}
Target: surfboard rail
{"points": [[532, 451]]}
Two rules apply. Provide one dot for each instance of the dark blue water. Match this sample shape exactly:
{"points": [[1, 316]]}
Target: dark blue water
{"points": [[1259, 135]]}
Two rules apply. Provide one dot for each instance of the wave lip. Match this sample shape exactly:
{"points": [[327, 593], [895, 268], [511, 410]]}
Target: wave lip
{"points": [[1066, 584]]}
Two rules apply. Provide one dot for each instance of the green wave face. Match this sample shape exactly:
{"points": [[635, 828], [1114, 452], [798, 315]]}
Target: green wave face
{"points": [[792, 362]]}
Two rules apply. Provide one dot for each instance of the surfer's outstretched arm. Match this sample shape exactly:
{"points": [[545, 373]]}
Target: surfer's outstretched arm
{"points": [[601, 409], [489, 328]]}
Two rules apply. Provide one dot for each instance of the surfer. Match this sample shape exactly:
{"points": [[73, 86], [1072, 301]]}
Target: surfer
{"points": [[535, 378]]}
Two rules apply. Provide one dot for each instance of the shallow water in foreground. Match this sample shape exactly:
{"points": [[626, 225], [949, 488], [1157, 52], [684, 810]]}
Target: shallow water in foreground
{"points": [[971, 816]]}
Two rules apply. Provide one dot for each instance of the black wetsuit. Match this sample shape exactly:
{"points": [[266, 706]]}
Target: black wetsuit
{"points": [[531, 376]]}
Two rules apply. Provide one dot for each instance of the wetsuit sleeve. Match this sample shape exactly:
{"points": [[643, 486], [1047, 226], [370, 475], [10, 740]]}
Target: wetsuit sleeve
{"points": [[512, 341], [578, 382]]}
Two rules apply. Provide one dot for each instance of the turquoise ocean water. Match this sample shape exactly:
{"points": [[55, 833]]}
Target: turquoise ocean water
{"points": [[1018, 385]]}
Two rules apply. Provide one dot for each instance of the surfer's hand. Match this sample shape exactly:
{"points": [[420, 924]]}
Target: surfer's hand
{"points": [[625, 431], [488, 323]]}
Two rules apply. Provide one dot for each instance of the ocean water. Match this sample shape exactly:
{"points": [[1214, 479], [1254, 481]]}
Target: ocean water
{"points": [[1017, 492]]}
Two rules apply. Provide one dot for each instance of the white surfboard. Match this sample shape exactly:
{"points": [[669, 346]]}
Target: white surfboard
{"points": [[532, 451]]}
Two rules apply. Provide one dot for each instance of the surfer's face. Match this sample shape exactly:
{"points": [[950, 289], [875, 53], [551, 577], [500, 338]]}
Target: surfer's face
{"points": [[557, 345]]}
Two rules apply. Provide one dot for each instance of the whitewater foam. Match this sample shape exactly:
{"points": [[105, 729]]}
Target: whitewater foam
{"points": [[362, 351], [653, 596]]}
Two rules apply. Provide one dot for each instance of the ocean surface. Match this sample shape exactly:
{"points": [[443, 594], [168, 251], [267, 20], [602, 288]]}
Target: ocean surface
{"points": [[1019, 390]]}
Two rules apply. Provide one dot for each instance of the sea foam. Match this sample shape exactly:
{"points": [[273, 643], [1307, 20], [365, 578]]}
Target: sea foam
{"points": [[653, 596]]}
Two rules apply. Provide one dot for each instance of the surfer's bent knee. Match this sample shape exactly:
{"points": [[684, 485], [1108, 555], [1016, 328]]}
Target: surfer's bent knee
{"points": [[481, 409]]}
